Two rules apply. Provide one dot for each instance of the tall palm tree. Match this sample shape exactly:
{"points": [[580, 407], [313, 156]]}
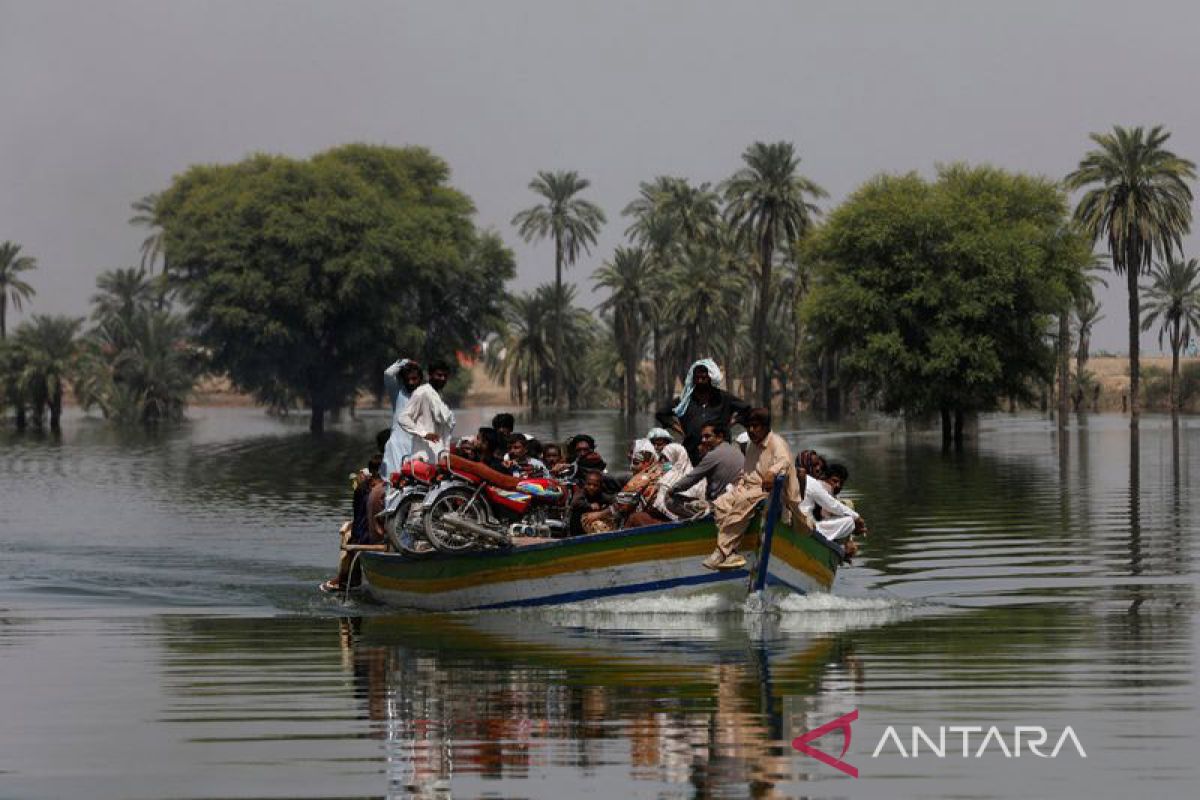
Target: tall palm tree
{"points": [[49, 345], [11, 286], [146, 216], [1173, 302], [1087, 314], [768, 202], [1137, 197], [573, 224], [627, 277], [124, 293]]}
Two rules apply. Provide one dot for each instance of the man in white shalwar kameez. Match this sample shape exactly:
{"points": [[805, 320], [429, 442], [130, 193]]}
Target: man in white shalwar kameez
{"points": [[427, 418], [838, 521], [767, 457], [400, 380]]}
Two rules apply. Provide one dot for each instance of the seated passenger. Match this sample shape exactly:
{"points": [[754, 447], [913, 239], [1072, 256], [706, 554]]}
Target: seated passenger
{"points": [[719, 468], [581, 451], [660, 438], [489, 449], [591, 498], [519, 463], [688, 503], [833, 519], [552, 456], [503, 425], [361, 529], [636, 495]]}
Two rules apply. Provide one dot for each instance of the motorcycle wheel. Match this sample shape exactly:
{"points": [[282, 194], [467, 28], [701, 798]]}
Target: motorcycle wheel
{"points": [[400, 528], [454, 501]]}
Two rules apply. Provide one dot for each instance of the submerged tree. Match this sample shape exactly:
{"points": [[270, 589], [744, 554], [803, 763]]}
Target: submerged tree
{"points": [[1138, 200], [48, 348], [12, 287], [301, 277], [1173, 303], [573, 224], [939, 297]]}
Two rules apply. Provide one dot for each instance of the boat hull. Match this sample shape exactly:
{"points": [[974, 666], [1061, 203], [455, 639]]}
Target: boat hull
{"points": [[655, 561]]}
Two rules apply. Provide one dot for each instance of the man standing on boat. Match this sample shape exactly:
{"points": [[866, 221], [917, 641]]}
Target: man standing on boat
{"points": [[427, 418], [400, 380], [701, 402], [767, 457]]}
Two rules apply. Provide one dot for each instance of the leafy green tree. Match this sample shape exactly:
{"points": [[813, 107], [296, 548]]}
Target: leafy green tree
{"points": [[12, 287], [627, 278], [768, 203], [12, 393], [49, 348], [939, 297], [1138, 200], [1173, 303], [573, 224], [301, 277]]}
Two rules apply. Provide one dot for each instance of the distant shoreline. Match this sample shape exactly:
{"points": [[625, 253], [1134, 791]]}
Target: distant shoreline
{"points": [[1111, 373]]}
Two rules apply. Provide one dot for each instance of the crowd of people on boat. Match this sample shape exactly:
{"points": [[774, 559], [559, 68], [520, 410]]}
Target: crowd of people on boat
{"points": [[706, 471]]}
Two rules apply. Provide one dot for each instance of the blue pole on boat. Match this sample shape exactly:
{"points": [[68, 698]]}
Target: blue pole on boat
{"points": [[774, 510]]}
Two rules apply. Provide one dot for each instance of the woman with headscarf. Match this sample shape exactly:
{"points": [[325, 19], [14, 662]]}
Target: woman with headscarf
{"points": [[638, 492], [702, 402], [673, 507]]}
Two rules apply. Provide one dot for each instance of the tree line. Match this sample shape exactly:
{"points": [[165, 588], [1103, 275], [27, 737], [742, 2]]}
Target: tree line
{"points": [[301, 279]]}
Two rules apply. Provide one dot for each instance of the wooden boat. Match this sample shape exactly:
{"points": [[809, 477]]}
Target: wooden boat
{"points": [[653, 561]]}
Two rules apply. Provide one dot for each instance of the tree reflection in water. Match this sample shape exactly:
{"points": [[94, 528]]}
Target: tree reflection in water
{"points": [[706, 706]]}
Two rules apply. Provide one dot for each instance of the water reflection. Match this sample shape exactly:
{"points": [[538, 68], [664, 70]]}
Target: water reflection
{"points": [[707, 704]]}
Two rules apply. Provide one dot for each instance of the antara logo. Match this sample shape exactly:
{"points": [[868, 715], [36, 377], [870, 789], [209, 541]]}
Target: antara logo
{"points": [[1030, 738]]}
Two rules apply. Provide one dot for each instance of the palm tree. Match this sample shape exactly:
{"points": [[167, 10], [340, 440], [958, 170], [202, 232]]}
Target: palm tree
{"points": [[123, 294], [1137, 198], [1087, 314], [521, 355], [767, 203], [627, 277], [146, 216], [1173, 301], [49, 347], [11, 285], [573, 224]]}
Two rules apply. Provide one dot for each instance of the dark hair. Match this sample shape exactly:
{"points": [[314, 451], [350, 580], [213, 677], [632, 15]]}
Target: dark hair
{"points": [[375, 463], [762, 416], [442, 366], [533, 446], [580, 437], [490, 438], [837, 471], [381, 438], [552, 446], [411, 366], [587, 473], [718, 428], [504, 421]]}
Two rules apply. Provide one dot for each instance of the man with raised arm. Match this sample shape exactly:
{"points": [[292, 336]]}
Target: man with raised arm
{"points": [[427, 418]]}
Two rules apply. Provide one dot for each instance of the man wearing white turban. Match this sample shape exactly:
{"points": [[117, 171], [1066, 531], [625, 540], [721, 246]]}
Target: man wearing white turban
{"points": [[702, 402]]}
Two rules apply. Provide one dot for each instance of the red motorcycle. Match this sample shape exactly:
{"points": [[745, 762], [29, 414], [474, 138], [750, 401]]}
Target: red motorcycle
{"points": [[478, 507]]}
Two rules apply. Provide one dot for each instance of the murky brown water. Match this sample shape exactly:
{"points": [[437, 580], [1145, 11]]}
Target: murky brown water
{"points": [[161, 635]]}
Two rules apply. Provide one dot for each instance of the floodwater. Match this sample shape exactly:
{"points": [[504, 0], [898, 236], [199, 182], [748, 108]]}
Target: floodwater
{"points": [[161, 635]]}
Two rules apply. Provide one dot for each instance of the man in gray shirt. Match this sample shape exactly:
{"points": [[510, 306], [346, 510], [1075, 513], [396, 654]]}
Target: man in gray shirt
{"points": [[721, 465]]}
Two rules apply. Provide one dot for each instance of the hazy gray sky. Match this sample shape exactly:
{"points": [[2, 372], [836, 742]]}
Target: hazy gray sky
{"points": [[104, 102]]}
